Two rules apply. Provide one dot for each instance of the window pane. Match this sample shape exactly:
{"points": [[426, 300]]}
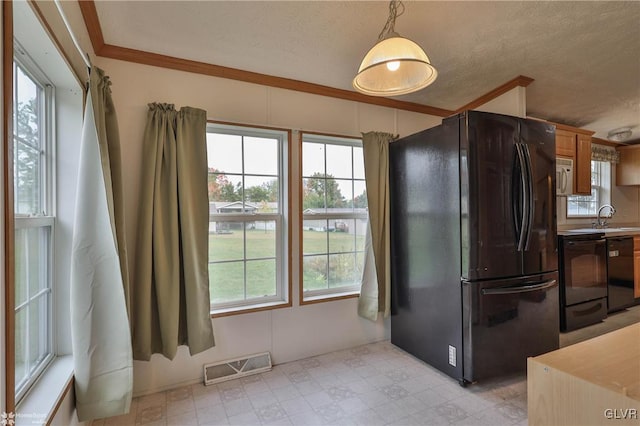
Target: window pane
{"points": [[342, 270], [261, 194], [31, 257], [314, 272], [314, 236], [27, 108], [224, 190], [38, 320], [344, 196], [313, 194], [260, 156], [226, 282], [341, 235], [224, 153], [360, 194], [226, 241], [261, 278], [358, 163], [21, 346], [339, 161], [261, 239], [312, 159], [27, 175]]}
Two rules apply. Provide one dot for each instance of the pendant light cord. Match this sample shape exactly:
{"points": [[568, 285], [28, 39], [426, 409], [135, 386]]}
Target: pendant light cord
{"points": [[396, 8]]}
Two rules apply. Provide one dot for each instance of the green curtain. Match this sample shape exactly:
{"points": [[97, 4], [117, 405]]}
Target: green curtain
{"points": [[375, 292], [171, 293]]}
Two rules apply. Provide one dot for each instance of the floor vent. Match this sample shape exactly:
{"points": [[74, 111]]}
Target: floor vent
{"points": [[235, 368]]}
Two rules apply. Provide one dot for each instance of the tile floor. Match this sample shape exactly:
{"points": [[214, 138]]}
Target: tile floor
{"points": [[375, 384]]}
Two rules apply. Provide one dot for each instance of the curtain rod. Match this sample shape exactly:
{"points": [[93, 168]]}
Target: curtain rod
{"points": [[84, 55]]}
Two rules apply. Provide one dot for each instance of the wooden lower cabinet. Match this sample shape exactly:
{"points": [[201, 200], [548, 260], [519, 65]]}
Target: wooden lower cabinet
{"points": [[636, 267], [595, 382]]}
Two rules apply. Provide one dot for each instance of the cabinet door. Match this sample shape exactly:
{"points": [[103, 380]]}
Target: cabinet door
{"points": [[636, 267], [582, 167], [565, 143], [628, 170]]}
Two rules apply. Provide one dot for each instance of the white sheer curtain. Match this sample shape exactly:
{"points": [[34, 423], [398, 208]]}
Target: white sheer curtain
{"points": [[101, 339], [375, 292]]}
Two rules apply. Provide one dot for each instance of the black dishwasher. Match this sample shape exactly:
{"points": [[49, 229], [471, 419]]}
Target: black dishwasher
{"points": [[620, 275], [583, 280]]}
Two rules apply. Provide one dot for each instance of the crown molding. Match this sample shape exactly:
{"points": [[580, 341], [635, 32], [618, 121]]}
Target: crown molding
{"points": [[519, 81]]}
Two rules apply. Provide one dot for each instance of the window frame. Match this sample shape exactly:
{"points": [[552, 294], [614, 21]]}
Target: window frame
{"points": [[43, 220], [282, 219], [325, 295], [599, 191]]}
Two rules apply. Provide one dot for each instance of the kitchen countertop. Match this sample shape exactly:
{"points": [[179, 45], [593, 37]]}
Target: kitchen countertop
{"points": [[612, 231], [592, 382]]}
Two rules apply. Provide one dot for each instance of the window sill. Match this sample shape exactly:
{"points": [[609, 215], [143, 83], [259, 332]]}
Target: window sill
{"points": [[329, 297], [249, 309], [40, 404]]}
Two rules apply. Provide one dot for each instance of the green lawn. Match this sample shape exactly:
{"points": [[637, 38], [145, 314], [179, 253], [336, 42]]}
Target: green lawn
{"points": [[226, 280]]}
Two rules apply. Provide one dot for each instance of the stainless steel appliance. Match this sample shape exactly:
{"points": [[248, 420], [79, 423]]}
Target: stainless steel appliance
{"points": [[620, 272], [473, 244], [583, 280]]}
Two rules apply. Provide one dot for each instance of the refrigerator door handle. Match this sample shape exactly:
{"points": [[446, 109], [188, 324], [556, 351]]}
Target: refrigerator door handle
{"points": [[524, 200], [520, 289], [529, 195]]}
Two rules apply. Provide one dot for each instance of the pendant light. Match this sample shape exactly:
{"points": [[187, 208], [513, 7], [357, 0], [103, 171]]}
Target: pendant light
{"points": [[395, 65]]}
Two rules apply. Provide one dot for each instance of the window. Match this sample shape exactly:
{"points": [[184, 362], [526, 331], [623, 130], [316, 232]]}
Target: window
{"points": [[587, 206], [34, 222], [247, 216], [334, 216]]}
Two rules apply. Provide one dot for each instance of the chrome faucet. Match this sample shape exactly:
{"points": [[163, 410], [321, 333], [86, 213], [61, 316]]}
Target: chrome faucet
{"points": [[602, 221]]}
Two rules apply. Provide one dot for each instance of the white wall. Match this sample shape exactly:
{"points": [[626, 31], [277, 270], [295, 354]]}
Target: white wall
{"points": [[626, 200], [511, 103]]}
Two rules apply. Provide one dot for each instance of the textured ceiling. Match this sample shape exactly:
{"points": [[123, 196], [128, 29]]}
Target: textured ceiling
{"points": [[583, 56]]}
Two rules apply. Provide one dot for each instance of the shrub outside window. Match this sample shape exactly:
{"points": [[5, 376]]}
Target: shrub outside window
{"points": [[334, 216]]}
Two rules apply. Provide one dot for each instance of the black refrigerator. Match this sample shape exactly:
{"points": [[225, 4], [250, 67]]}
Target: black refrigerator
{"points": [[474, 266]]}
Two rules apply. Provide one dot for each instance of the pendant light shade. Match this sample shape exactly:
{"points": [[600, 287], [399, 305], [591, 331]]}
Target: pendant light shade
{"points": [[395, 65]]}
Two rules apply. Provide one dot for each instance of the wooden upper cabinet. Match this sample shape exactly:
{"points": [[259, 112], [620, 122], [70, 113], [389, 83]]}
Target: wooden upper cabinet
{"points": [[575, 143], [582, 165], [565, 143], [628, 170]]}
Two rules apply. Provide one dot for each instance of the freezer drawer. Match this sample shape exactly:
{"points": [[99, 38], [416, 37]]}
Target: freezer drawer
{"points": [[506, 321]]}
